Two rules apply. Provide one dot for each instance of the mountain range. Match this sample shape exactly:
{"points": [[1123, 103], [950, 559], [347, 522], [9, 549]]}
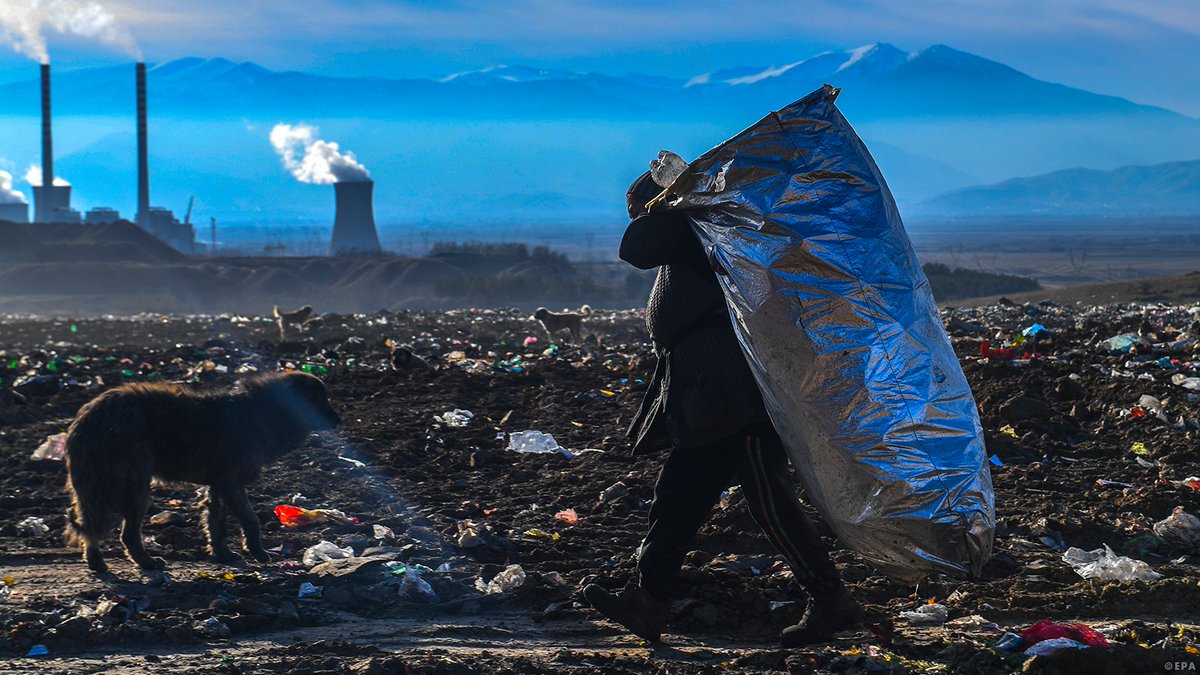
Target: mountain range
{"points": [[521, 144]]}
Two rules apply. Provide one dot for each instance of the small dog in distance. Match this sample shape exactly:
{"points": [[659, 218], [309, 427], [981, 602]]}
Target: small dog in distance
{"points": [[132, 434], [403, 358], [556, 322], [295, 318]]}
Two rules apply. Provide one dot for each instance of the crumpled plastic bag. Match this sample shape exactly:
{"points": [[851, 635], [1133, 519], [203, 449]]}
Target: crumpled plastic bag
{"points": [[845, 340], [1180, 527], [1053, 645], [507, 579], [1103, 563], [927, 615], [326, 550]]}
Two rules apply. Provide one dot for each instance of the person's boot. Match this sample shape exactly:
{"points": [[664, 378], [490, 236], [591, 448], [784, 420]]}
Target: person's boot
{"points": [[825, 615], [634, 608]]}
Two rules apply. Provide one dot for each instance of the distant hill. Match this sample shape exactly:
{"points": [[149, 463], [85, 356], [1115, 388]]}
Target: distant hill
{"points": [[486, 145], [1181, 289], [1172, 188]]}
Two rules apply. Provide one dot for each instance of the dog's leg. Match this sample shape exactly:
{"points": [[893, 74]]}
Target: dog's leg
{"points": [[214, 527], [134, 512], [237, 501]]}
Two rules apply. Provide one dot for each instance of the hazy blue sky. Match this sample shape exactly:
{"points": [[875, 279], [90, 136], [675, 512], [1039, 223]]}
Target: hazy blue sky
{"points": [[1145, 50]]}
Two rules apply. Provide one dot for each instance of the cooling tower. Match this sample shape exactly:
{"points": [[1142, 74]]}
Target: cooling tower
{"points": [[143, 207], [354, 224]]}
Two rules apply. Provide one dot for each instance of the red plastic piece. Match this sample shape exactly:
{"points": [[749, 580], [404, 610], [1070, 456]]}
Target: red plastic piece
{"points": [[1048, 630]]}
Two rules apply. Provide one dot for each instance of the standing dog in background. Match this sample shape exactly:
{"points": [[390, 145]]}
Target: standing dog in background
{"points": [[556, 322], [137, 432], [297, 318]]}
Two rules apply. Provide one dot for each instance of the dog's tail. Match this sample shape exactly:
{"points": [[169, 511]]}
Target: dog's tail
{"points": [[585, 310], [275, 311], [87, 518]]}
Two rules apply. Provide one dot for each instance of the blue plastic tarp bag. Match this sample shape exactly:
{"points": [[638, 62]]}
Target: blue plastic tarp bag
{"points": [[837, 321]]}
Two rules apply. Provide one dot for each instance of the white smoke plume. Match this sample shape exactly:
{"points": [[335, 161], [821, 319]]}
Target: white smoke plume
{"points": [[312, 160], [7, 194], [25, 23], [33, 176]]}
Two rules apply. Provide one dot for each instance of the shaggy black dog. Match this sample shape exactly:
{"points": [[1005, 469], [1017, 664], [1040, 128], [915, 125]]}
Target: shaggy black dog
{"points": [[137, 432]]}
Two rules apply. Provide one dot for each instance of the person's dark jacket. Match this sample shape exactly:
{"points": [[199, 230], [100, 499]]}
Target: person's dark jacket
{"points": [[702, 390]]}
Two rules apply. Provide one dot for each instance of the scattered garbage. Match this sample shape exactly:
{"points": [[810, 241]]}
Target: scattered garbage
{"points": [[472, 534], [307, 590], [927, 615], [455, 418], [295, 516], [54, 448], [568, 516], [6, 585], [614, 492], [1181, 380], [1152, 406], [1009, 642], [381, 532], [1180, 528], [325, 550], [974, 623], [1103, 563], [507, 579], [358, 463], [33, 527], [535, 442]]}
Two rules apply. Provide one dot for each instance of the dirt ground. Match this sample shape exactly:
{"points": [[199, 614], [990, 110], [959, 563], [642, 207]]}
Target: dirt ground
{"points": [[393, 465]]}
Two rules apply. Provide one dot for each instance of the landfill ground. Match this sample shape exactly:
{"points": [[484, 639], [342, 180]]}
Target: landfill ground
{"points": [[1082, 464]]}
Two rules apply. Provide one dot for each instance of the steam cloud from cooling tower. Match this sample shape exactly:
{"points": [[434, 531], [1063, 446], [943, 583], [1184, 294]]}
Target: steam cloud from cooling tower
{"points": [[312, 160], [33, 176], [8, 195], [25, 23]]}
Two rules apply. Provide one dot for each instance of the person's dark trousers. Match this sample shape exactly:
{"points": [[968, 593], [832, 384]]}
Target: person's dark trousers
{"points": [[691, 482]]}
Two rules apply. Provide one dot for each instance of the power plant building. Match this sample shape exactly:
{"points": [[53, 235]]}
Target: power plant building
{"points": [[354, 222], [101, 215], [14, 212]]}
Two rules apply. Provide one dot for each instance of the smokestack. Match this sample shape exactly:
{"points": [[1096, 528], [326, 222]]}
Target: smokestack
{"points": [[354, 224], [143, 208], [43, 210], [47, 140]]}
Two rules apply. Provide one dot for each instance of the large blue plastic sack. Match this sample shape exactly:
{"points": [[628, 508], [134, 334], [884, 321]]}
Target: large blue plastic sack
{"points": [[839, 326]]}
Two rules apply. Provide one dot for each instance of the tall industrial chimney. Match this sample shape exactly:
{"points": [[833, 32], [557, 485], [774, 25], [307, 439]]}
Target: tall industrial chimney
{"points": [[143, 206], [44, 202], [354, 223]]}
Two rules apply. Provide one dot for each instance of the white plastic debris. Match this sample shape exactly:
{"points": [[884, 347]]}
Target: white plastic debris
{"points": [[927, 615], [1180, 527], [507, 579], [535, 442], [455, 418], [1103, 563], [326, 550], [1152, 406], [353, 461], [383, 532], [33, 527], [472, 534], [1054, 645], [414, 587], [1179, 379], [53, 448]]}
